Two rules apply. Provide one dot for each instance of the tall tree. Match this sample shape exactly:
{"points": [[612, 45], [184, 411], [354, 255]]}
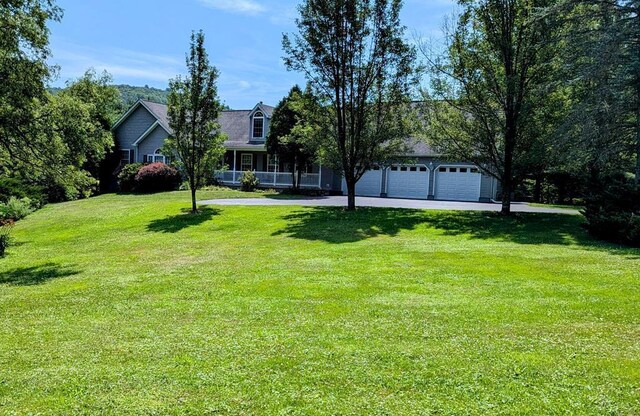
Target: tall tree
{"points": [[360, 69], [288, 135], [601, 57], [193, 108], [497, 56], [24, 50]]}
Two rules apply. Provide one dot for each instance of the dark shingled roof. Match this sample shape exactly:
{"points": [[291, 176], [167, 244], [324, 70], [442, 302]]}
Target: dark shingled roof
{"points": [[235, 124]]}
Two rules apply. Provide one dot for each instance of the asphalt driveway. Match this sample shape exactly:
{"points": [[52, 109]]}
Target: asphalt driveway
{"points": [[332, 201]]}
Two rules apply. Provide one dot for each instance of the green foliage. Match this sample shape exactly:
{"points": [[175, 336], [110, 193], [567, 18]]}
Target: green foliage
{"points": [[19, 188], [193, 110], [613, 210], [248, 181], [361, 77], [23, 72], [483, 90], [289, 138], [15, 209], [127, 177], [131, 94], [157, 177]]}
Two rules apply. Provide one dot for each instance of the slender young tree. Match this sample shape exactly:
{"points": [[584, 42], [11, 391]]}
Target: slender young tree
{"points": [[287, 138], [193, 108], [497, 56], [360, 70]]}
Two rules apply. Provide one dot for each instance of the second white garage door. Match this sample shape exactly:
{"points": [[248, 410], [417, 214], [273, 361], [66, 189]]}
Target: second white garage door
{"points": [[458, 183], [408, 182]]}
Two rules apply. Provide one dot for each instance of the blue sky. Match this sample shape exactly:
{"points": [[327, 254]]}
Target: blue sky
{"points": [[143, 42]]}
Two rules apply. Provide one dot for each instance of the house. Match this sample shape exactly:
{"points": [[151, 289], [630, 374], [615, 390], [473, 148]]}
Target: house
{"points": [[140, 134]]}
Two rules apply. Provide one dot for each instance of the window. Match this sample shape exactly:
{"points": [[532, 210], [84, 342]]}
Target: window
{"points": [[394, 168], [463, 170], [442, 169], [423, 168], [157, 156], [272, 163], [125, 156], [413, 169], [246, 163], [453, 170], [258, 125], [403, 169]]}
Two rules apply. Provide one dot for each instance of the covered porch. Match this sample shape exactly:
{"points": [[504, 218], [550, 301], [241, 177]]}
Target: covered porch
{"points": [[268, 169]]}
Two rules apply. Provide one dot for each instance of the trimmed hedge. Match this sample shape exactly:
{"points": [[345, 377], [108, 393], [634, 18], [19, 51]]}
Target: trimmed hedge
{"points": [[157, 177]]}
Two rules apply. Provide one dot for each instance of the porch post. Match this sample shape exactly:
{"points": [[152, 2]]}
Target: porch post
{"points": [[320, 175], [234, 165]]}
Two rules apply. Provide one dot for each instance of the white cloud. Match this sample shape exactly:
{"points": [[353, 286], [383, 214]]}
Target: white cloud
{"points": [[249, 7], [124, 65]]}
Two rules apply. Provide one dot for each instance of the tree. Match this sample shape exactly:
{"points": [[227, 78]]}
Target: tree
{"points": [[360, 70], [497, 58], [104, 106], [24, 71], [287, 138], [193, 108], [601, 58]]}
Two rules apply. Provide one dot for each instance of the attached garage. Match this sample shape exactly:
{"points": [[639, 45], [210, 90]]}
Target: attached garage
{"points": [[408, 181], [369, 185], [458, 183]]}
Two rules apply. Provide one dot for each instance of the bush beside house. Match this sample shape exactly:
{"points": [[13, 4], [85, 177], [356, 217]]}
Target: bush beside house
{"points": [[157, 177], [249, 181]]}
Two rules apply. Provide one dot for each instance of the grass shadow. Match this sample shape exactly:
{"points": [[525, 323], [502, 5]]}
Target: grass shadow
{"points": [[336, 225], [36, 275], [186, 219]]}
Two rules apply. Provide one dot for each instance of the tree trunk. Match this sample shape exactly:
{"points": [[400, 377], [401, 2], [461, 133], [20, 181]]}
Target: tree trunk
{"points": [[638, 139], [537, 189], [507, 178], [194, 207], [351, 195]]}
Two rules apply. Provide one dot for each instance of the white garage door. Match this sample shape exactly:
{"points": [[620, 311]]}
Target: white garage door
{"points": [[457, 183], [408, 182], [369, 185]]}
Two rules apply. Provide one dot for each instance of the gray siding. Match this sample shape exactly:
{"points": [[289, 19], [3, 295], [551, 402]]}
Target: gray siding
{"points": [[133, 127], [151, 143]]}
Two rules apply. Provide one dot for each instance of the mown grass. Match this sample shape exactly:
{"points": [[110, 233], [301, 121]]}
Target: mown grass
{"points": [[124, 304]]}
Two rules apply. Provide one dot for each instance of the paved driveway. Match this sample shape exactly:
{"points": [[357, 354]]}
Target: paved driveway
{"points": [[332, 201]]}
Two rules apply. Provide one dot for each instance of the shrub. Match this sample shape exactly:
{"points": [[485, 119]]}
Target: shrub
{"points": [[15, 209], [20, 189], [157, 177], [249, 182], [612, 210], [127, 177], [5, 236]]}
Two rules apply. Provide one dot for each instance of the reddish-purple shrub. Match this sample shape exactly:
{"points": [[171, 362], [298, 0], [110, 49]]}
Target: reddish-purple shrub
{"points": [[157, 177]]}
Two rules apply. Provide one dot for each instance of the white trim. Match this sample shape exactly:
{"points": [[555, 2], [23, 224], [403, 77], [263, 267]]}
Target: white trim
{"points": [[253, 125]]}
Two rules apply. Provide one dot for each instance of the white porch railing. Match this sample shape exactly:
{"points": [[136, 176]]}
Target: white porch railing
{"points": [[276, 179]]}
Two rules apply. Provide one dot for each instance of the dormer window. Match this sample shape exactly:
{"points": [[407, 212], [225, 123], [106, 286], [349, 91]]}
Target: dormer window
{"points": [[258, 125]]}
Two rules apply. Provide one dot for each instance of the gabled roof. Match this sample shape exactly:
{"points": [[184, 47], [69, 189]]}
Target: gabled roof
{"points": [[266, 109], [159, 111]]}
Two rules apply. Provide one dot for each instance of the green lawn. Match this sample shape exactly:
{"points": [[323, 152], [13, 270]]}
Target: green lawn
{"points": [[123, 304]]}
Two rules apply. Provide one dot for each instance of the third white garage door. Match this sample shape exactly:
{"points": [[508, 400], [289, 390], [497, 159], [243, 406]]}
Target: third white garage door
{"points": [[458, 183], [408, 182]]}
